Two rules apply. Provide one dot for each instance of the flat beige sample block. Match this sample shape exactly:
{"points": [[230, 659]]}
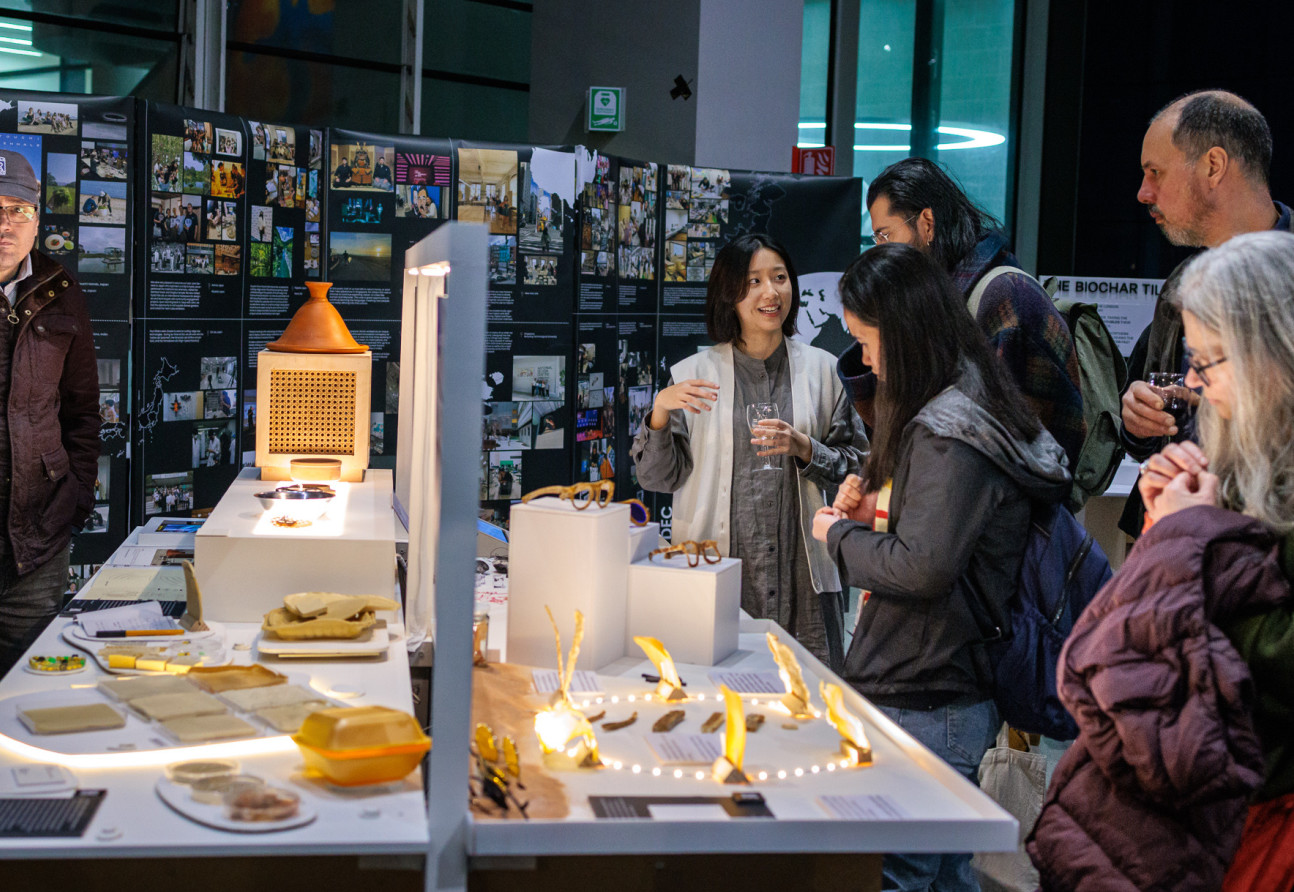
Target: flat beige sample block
{"points": [[173, 706], [199, 728], [253, 699], [128, 690], [288, 719], [70, 719]]}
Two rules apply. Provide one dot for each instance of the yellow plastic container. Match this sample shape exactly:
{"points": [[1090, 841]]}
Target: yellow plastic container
{"points": [[351, 747]]}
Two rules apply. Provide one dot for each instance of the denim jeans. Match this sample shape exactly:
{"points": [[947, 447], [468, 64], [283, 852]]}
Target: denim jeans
{"points": [[960, 735], [27, 604]]}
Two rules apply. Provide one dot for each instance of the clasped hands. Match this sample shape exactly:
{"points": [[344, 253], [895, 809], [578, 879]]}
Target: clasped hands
{"points": [[697, 396], [851, 503], [1175, 479]]}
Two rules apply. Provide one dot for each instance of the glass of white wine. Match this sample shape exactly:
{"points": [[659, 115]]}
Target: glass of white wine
{"points": [[756, 413]]}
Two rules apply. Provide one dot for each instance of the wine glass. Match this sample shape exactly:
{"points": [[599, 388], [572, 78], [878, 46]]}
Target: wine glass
{"points": [[755, 413]]}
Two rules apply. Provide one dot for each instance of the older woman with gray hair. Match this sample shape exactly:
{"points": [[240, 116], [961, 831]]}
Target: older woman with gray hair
{"points": [[1180, 673]]}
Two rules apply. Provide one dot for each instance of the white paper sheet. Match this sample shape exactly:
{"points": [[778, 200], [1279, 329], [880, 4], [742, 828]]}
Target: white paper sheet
{"points": [[749, 682], [685, 749]]}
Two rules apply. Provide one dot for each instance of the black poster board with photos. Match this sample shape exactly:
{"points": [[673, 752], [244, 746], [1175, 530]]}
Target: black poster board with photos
{"points": [[386, 193], [233, 226], [526, 195], [82, 149]]}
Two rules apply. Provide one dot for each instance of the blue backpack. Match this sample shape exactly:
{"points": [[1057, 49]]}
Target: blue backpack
{"points": [[1062, 571]]}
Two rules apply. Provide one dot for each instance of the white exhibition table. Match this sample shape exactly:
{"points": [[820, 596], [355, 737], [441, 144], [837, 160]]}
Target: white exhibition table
{"points": [[133, 821], [915, 801]]}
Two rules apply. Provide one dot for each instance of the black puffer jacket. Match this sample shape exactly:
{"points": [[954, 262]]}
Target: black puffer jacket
{"points": [[53, 415], [960, 508]]}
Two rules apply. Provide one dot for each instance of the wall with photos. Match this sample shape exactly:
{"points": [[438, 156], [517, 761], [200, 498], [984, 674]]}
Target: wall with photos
{"points": [[193, 234]]}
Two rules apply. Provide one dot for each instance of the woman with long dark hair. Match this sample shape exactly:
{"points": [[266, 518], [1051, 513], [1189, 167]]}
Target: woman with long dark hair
{"points": [[696, 443], [957, 458]]}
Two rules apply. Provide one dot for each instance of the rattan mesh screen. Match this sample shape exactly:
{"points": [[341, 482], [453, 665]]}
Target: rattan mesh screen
{"points": [[312, 411]]}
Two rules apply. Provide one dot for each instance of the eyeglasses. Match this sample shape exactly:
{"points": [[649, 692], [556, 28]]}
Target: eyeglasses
{"points": [[639, 516], [581, 495], [17, 213], [882, 235], [1200, 368], [695, 552]]}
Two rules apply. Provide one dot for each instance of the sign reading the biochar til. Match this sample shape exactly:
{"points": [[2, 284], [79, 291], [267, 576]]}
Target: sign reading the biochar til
{"points": [[606, 107]]}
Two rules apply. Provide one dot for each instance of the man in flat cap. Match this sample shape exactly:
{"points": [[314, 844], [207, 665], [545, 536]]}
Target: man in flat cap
{"points": [[49, 416]]}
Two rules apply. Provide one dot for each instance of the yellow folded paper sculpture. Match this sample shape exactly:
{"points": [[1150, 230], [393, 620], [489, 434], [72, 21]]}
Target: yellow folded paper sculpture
{"points": [[796, 698], [854, 745], [565, 735], [671, 686], [727, 768]]}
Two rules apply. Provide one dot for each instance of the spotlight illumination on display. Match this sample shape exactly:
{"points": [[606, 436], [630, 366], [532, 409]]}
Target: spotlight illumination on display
{"points": [[971, 138]]}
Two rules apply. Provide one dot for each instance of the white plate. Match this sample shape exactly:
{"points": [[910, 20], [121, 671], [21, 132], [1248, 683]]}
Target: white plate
{"points": [[374, 643], [62, 673], [178, 797], [78, 634]]}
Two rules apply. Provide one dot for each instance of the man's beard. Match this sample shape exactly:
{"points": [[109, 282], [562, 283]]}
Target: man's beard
{"points": [[1190, 234]]}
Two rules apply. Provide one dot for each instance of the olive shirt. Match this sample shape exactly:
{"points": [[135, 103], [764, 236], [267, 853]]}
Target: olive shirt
{"points": [[765, 515]]}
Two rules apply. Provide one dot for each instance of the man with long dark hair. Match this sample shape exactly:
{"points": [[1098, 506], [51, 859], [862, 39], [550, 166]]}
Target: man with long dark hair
{"points": [[915, 202]]}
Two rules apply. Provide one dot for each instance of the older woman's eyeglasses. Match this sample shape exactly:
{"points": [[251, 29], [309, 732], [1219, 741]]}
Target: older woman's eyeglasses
{"points": [[706, 550], [1200, 368]]}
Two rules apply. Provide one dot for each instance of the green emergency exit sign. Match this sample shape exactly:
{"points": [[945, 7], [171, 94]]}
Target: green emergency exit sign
{"points": [[606, 109]]}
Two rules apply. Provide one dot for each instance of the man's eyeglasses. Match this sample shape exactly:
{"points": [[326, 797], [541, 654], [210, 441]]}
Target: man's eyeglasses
{"points": [[695, 552], [1200, 368], [17, 213], [882, 235]]}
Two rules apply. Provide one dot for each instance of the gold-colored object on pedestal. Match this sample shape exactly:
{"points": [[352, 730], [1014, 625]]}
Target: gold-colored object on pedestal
{"points": [[854, 745], [565, 735], [313, 388], [670, 688], [796, 698], [727, 769]]}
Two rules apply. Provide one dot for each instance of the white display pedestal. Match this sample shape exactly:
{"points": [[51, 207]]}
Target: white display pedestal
{"points": [[642, 540], [693, 611], [567, 559], [246, 564]]}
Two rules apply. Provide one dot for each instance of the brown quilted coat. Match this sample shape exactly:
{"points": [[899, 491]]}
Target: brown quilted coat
{"points": [[1152, 795]]}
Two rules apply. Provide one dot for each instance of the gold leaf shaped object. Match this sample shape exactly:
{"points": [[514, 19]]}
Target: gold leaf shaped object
{"points": [[566, 667], [511, 761], [485, 744], [734, 735], [661, 659], [788, 668], [854, 742]]}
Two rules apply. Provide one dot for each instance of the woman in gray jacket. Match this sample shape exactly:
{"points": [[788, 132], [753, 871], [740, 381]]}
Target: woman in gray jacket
{"points": [[957, 456]]}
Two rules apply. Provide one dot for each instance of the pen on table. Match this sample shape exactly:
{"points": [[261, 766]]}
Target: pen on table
{"points": [[655, 679], [135, 633]]}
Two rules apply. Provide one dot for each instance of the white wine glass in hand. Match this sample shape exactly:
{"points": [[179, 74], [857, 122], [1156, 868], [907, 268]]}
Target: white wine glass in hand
{"points": [[755, 413]]}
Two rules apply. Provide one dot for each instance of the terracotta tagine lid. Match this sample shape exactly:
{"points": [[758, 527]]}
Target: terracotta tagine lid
{"points": [[316, 327]]}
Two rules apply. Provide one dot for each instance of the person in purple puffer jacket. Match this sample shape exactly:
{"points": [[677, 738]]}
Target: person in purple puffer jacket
{"points": [[1180, 673]]}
